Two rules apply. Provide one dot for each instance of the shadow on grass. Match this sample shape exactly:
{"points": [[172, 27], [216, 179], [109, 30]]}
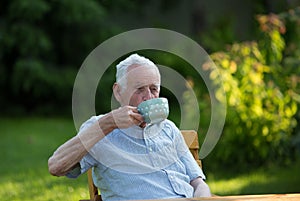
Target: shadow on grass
{"points": [[276, 180], [264, 180]]}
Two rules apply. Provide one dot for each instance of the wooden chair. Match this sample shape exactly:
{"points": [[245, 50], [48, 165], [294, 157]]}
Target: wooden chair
{"points": [[191, 139]]}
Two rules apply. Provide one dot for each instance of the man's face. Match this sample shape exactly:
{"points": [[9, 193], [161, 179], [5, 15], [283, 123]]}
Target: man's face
{"points": [[143, 83]]}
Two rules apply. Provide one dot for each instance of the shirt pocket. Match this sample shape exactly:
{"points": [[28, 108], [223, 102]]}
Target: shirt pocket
{"points": [[180, 183]]}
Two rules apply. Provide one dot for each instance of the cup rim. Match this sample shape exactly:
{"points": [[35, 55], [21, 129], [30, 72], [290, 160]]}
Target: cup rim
{"points": [[150, 100]]}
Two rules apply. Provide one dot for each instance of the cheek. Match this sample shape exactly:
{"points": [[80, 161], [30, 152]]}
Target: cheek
{"points": [[135, 100], [156, 94]]}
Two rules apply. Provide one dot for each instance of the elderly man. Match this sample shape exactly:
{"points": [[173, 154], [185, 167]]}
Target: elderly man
{"points": [[132, 159]]}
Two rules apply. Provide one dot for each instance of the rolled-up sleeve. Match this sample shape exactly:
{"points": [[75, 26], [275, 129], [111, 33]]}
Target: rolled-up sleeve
{"points": [[86, 163]]}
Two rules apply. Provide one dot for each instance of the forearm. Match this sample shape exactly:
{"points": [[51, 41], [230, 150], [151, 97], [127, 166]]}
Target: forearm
{"points": [[66, 157], [70, 153]]}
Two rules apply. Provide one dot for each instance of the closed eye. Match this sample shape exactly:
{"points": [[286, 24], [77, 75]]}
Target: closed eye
{"points": [[140, 90], [154, 89]]}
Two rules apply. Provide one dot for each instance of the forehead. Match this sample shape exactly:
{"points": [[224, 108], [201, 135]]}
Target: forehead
{"points": [[143, 75]]}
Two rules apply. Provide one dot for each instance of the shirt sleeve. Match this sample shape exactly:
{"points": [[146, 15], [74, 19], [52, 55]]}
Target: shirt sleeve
{"points": [[86, 163], [192, 168]]}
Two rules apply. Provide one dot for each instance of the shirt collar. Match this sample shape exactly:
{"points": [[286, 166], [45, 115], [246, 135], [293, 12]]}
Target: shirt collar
{"points": [[151, 130], [134, 131]]}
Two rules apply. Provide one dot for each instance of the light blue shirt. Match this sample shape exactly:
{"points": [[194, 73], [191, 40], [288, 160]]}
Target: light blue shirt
{"points": [[136, 163]]}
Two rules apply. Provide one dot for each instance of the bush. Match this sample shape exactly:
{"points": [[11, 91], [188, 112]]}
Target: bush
{"points": [[261, 93]]}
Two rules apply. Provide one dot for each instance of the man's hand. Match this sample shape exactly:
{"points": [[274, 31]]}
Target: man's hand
{"points": [[201, 189], [127, 116]]}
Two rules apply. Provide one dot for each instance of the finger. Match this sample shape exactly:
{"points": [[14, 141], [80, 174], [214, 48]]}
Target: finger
{"points": [[137, 116], [137, 119], [142, 125], [134, 109]]}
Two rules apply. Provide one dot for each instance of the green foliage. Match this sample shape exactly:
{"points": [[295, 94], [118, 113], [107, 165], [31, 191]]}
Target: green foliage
{"points": [[43, 44], [259, 93]]}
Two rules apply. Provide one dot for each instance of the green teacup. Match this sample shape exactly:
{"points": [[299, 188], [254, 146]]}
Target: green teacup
{"points": [[154, 110]]}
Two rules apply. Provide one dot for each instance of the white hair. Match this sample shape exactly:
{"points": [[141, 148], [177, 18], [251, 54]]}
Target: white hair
{"points": [[122, 67]]}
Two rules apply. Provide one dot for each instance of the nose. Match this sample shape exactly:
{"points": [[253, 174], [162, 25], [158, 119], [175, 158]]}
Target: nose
{"points": [[147, 95]]}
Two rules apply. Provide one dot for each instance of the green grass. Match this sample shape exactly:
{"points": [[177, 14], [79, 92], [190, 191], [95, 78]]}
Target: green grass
{"points": [[261, 181], [27, 143]]}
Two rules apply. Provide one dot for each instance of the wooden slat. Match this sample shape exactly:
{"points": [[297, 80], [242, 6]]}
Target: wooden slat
{"points": [[263, 197], [191, 138]]}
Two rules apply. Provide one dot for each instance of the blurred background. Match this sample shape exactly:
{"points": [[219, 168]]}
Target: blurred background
{"points": [[254, 43]]}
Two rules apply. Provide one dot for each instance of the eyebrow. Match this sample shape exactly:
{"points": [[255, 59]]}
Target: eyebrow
{"points": [[139, 85]]}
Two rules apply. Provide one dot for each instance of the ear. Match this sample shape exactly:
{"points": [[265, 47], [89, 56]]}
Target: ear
{"points": [[117, 92]]}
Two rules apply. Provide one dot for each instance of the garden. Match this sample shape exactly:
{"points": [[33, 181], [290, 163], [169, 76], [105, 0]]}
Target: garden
{"points": [[256, 51]]}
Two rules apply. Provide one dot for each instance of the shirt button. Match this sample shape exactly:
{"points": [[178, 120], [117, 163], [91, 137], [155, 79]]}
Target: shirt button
{"points": [[150, 149]]}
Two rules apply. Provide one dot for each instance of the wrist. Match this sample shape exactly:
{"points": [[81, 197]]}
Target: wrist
{"points": [[107, 123]]}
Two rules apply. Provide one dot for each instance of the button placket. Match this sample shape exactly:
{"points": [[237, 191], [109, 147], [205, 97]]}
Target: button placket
{"points": [[146, 139], [149, 147]]}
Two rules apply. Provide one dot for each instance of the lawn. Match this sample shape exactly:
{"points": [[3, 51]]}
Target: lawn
{"points": [[261, 181], [27, 143]]}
